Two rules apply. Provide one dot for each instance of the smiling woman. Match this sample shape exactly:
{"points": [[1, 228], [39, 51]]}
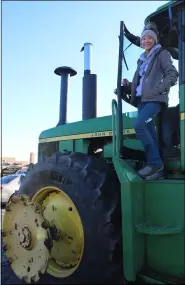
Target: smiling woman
{"points": [[149, 37], [154, 76]]}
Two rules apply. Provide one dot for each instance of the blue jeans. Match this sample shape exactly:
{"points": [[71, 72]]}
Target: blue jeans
{"points": [[146, 133]]}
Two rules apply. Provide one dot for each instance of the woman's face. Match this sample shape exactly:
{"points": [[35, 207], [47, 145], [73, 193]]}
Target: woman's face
{"points": [[147, 43]]}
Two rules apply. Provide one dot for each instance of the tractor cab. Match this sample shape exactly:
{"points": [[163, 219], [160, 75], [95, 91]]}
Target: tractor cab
{"points": [[170, 122]]}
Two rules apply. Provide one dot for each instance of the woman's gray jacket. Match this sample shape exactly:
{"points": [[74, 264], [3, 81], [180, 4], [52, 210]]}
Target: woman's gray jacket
{"points": [[160, 75]]}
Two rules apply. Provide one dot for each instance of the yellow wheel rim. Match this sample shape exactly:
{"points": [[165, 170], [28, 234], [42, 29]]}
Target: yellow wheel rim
{"points": [[66, 231], [24, 238]]}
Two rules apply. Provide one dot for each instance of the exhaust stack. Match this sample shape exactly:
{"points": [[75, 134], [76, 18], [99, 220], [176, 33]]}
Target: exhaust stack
{"points": [[87, 48], [89, 90], [64, 72]]}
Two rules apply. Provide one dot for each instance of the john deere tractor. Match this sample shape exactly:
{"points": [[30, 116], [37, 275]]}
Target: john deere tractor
{"points": [[82, 214]]}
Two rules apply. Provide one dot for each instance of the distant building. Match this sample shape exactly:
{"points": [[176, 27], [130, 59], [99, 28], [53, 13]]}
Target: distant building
{"points": [[32, 157], [6, 159], [21, 162]]}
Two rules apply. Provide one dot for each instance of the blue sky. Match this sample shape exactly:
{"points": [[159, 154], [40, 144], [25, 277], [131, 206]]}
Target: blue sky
{"points": [[39, 36]]}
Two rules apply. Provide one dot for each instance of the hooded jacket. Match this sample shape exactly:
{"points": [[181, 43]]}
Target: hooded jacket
{"points": [[159, 77]]}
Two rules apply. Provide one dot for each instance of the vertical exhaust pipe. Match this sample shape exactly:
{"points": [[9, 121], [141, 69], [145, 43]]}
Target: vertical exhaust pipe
{"points": [[63, 72], [87, 48], [89, 89]]}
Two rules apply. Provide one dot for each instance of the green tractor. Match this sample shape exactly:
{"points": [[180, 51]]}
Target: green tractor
{"points": [[82, 214]]}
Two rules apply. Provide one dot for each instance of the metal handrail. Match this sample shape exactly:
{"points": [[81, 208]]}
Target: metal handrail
{"points": [[119, 98], [115, 129]]}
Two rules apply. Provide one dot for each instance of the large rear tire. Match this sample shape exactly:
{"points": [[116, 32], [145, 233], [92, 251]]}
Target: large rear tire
{"points": [[93, 187]]}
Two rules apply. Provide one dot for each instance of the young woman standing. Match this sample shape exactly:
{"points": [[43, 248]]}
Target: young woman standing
{"points": [[149, 90]]}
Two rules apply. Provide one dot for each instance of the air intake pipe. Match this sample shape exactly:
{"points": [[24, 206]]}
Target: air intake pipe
{"points": [[89, 89], [64, 72]]}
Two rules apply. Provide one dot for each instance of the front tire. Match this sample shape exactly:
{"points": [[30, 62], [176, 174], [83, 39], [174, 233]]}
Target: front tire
{"points": [[93, 187]]}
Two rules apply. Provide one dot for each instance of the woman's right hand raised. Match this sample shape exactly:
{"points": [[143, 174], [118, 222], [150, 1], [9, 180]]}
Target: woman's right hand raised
{"points": [[125, 82]]}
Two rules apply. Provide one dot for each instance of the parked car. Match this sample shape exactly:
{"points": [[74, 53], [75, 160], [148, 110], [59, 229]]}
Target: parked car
{"points": [[21, 172], [9, 170], [9, 184]]}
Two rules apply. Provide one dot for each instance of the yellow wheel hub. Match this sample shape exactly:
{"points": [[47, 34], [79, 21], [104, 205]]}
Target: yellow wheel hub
{"points": [[66, 230], [24, 238]]}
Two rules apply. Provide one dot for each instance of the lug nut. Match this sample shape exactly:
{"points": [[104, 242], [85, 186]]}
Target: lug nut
{"points": [[48, 243], [45, 225]]}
